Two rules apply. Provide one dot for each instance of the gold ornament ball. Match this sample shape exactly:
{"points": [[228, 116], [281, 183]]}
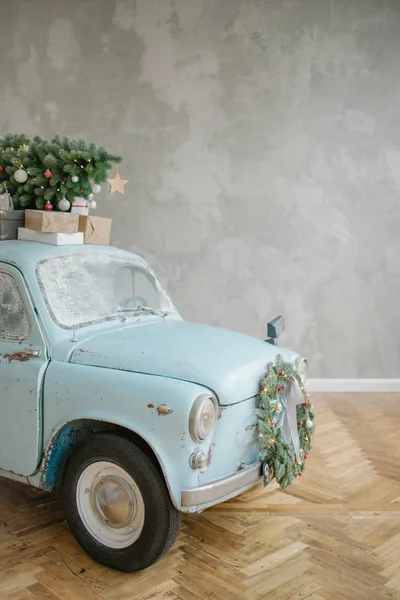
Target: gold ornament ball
{"points": [[265, 390]]}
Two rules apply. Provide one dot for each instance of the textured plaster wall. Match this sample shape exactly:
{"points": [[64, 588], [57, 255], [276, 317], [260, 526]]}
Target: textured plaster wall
{"points": [[262, 147]]}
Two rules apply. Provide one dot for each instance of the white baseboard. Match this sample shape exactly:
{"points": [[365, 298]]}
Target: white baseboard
{"points": [[354, 385]]}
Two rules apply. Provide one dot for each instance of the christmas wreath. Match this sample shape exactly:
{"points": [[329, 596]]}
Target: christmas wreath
{"points": [[285, 422]]}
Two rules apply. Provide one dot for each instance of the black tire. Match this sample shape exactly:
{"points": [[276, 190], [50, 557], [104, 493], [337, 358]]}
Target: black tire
{"points": [[161, 520]]}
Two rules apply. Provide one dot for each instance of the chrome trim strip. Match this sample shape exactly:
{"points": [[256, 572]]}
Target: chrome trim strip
{"points": [[220, 488]]}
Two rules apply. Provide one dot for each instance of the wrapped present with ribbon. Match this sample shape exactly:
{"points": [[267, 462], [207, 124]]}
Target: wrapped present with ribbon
{"points": [[80, 206]]}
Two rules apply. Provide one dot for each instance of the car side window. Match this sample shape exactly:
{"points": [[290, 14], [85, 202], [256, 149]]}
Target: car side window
{"points": [[14, 321]]}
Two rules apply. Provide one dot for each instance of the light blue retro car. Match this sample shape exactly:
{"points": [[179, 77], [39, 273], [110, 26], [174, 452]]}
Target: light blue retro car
{"points": [[106, 392]]}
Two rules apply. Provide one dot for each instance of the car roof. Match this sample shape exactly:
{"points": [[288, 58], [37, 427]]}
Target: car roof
{"points": [[26, 254]]}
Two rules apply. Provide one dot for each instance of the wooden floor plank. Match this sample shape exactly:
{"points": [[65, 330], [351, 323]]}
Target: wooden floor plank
{"points": [[333, 535]]}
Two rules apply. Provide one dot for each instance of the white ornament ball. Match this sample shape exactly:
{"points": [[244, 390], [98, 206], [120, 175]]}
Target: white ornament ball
{"points": [[309, 423], [26, 148], [64, 204], [93, 204], [20, 176], [90, 196], [75, 178], [96, 188]]}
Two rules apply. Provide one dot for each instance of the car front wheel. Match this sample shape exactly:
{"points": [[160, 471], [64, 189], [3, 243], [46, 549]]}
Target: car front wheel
{"points": [[117, 504]]}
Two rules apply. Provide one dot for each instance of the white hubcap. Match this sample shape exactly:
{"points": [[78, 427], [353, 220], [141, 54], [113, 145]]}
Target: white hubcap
{"points": [[110, 504]]}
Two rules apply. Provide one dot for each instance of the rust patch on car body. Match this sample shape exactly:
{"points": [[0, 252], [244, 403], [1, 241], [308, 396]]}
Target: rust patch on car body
{"points": [[220, 411], [19, 356], [150, 406]]}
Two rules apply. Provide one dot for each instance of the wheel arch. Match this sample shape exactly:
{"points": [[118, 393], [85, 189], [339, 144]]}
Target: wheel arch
{"points": [[71, 433]]}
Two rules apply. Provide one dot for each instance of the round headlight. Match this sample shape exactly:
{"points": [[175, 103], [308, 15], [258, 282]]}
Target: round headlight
{"points": [[202, 417], [302, 369]]}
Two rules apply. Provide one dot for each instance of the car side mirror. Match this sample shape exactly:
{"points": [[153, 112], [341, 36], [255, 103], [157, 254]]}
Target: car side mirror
{"points": [[274, 329]]}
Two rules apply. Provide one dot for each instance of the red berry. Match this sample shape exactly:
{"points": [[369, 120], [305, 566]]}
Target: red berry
{"points": [[49, 206], [48, 174], [282, 373], [300, 422], [272, 422], [306, 456], [280, 389], [1, 169], [306, 403], [300, 474]]}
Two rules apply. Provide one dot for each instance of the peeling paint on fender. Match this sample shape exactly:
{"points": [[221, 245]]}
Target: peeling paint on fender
{"points": [[57, 452]]}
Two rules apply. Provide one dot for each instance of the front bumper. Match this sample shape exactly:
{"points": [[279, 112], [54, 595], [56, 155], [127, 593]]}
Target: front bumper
{"points": [[219, 489]]}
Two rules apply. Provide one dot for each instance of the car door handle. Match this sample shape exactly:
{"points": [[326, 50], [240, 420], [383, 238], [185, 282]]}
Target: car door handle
{"points": [[30, 353]]}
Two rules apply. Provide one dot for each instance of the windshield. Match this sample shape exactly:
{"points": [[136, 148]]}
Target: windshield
{"points": [[83, 289]]}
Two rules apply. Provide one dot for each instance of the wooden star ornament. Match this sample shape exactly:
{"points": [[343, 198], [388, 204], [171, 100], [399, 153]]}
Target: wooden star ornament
{"points": [[117, 184]]}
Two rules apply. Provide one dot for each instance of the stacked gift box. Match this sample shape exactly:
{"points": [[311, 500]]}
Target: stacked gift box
{"points": [[10, 221], [58, 228]]}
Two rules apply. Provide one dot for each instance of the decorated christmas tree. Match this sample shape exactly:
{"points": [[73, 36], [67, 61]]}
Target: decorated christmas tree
{"points": [[52, 175], [14, 150]]}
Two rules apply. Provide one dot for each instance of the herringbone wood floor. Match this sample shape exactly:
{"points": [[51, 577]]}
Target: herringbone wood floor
{"points": [[333, 535]]}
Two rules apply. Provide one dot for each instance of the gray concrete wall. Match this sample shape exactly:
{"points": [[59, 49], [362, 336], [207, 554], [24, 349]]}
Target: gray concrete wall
{"points": [[262, 147]]}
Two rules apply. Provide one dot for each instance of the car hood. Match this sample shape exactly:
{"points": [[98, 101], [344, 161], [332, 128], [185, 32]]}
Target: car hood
{"points": [[228, 363]]}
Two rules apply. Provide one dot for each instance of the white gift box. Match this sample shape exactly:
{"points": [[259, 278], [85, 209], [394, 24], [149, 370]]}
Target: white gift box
{"points": [[55, 239], [80, 206], [80, 210]]}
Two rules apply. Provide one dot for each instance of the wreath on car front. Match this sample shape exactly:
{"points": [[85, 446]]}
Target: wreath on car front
{"points": [[285, 422]]}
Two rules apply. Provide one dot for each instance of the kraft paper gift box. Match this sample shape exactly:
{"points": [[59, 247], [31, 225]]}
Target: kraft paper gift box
{"points": [[48, 221], [96, 230]]}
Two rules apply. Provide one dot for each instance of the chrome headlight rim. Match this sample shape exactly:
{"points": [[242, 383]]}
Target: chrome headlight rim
{"points": [[199, 406], [301, 365]]}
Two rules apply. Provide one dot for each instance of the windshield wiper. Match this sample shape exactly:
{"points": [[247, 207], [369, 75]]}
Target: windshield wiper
{"points": [[150, 309]]}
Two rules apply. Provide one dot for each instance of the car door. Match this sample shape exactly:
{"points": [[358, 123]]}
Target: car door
{"points": [[23, 360]]}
